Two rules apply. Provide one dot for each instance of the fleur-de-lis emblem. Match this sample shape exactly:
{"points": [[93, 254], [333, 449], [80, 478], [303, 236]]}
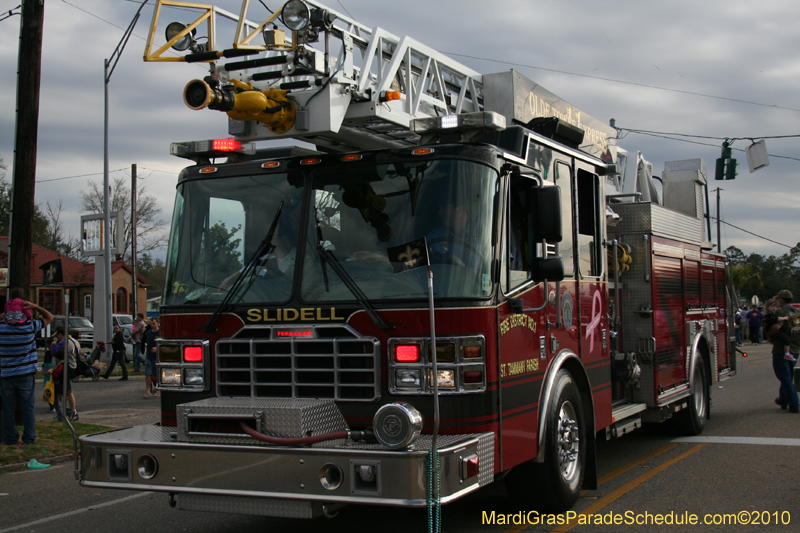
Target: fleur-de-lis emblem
{"points": [[409, 257]]}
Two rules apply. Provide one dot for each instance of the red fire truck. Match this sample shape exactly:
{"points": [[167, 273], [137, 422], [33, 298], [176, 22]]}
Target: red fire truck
{"points": [[460, 279]]}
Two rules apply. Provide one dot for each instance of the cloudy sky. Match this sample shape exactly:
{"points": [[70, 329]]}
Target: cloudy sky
{"points": [[694, 72]]}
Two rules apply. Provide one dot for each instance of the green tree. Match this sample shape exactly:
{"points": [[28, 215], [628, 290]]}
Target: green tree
{"points": [[735, 255], [745, 281], [223, 252], [153, 270], [774, 272]]}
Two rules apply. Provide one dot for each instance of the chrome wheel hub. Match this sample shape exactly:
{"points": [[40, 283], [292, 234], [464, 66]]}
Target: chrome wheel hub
{"points": [[568, 442]]}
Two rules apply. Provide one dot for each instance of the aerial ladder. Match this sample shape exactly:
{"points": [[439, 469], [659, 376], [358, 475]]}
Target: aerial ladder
{"points": [[332, 82]]}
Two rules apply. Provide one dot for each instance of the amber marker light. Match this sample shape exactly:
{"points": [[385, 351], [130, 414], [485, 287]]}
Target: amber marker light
{"points": [[310, 161], [351, 157], [471, 351], [208, 170], [270, 164], [388, 96], [422, 151]]}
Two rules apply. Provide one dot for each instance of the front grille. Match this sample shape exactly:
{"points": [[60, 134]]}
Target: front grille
{"points": [[337, 363]]}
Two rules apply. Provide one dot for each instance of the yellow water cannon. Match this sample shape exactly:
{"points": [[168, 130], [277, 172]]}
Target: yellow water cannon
{"points": [[241, 101]]}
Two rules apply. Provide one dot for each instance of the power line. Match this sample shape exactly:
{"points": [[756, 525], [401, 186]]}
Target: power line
{"points": [[753, 234], [79, 176], [157, 170], [668, 136], [10, 13], [774, 106]]}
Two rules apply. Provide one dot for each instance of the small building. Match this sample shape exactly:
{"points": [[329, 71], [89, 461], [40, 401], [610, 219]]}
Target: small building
{"points": [[79, 279]]}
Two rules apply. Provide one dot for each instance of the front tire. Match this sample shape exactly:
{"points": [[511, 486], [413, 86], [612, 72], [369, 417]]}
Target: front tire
{"points": [[554, 485], [691, 421]]}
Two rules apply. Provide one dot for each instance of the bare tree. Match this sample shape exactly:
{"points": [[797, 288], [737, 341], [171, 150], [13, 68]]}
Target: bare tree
{"points": [[149, 225], [54, 234]]}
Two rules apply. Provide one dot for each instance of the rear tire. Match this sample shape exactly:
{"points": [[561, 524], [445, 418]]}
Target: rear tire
{"points": [[554, 485], [691, 421]]}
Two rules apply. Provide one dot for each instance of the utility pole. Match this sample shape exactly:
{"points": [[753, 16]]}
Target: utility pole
{"points": [[133, 242], [23, 182], [719, 240], [107, 293]]}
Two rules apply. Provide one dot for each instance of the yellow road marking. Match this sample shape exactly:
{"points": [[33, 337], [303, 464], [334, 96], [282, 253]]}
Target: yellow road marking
{"points": [[599, 504], [612, 475]]}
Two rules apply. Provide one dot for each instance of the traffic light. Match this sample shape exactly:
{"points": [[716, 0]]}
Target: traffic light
{"points": [[720, 173], [726, 165], [730, 170]]}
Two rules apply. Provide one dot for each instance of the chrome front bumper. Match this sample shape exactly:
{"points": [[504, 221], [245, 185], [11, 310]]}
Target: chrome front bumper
{"points": [[277, 480]]}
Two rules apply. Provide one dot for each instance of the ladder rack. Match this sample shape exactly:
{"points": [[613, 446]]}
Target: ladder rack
{"points": [[337, 74]]}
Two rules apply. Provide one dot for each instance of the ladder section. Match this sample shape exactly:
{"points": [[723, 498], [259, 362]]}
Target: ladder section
{"points": [[349, 86]]}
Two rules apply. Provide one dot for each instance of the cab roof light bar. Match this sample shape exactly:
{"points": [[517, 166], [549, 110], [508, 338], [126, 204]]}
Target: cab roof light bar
{"points": [[202, 151], [481, 120], [462, 127]]}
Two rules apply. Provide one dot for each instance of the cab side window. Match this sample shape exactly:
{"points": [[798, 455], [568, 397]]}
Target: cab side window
{"points": [[589, 226], [516, 226]]}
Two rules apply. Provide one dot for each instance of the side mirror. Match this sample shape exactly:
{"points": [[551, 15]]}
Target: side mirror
{"points": [[551, 269], [546, 203]]}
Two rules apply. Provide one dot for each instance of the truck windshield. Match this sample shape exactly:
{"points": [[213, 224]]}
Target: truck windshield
{"points": [[357, 214], [218, 224], [370, 212]]}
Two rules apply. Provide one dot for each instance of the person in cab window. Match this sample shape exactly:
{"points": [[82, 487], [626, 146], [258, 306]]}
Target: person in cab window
{"points": [[280, 260], [455, 240]]}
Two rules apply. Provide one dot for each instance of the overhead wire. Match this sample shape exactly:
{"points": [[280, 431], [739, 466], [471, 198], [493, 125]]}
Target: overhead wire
{"points": [[753, 234], [612, 80], [10, 13], [78, 176], [669, 136]]}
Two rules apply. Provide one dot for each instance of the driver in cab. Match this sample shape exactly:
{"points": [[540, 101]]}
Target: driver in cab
{"points": [[280, 260], [455, 241]]}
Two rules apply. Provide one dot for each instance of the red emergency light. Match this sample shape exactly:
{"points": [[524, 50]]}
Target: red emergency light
{"points": [[226, 145], [407, 353], [294, 333], [193, 354]]}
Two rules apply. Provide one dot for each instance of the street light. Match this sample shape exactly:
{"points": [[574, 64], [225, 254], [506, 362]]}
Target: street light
{"points": [[112, 62]]}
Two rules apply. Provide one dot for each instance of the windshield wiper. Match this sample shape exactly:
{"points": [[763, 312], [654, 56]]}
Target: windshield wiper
{"points": [[327, 258], [319, 245], [263, 249]]}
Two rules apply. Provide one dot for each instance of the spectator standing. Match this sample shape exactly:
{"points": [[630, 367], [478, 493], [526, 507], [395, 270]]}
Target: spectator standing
{"points": [[71, 366], [784, 368], [743, 314], [754, 318], [151, 353], [137, 334], [737, 326], [118, 354], [18, 365]]}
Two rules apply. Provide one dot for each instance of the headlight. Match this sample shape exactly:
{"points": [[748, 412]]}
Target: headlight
{"points": [[407, 379], [194, 376], [171, 376], [295, 15], [447, 378]]}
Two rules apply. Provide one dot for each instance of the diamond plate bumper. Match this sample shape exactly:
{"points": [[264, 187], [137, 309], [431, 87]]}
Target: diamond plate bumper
{"points": [[268, 480]]}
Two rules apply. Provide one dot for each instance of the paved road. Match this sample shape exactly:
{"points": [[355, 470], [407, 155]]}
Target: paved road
{"points": [[643, 475]]}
